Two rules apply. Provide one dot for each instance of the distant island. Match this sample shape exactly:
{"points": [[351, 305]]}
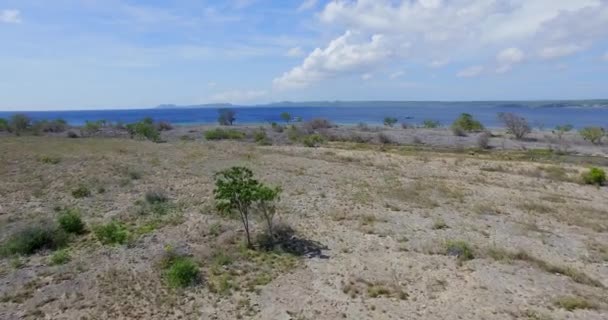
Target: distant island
{"points": [[596, 103]]}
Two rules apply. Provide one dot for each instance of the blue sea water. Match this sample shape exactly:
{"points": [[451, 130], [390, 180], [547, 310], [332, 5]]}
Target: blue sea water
{"points": [[413, 113]]}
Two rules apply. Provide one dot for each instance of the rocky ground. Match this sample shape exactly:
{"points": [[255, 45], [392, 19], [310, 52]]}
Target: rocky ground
{"points": [[396, 224]]}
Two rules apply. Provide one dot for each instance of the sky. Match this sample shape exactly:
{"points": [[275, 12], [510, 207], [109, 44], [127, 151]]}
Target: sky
{"points": [[92, 54]]}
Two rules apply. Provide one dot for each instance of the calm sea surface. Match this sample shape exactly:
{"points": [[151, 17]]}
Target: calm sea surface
{"points": [[445, 113]]}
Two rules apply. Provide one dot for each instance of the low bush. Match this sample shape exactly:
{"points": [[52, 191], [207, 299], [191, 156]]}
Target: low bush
{"points": [[592, 134], [515, 125], [70, 221], [49, 159], [19, 123], [221, 134], [81, 192], [4, 125], [390, 121], [383, 138], [182, 272], [483, 140], [574, 303], [43, 126], [293, 134], [431, 124], [313, 140], [144, 129], [112, 233], [92, 127], [226, 117], [261, 137], [164, 126], [35, 238], [156, 196], [60, 257], [595, 176], [316, 124], [458, 131], [277, 127], [460, 249], [467, 123], [72, 134]]}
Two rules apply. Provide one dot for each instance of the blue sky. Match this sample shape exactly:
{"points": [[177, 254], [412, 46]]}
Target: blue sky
{"points": [[83, 54]]}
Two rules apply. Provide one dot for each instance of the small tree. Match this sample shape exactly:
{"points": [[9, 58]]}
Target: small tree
{"points": [[516, 125], [226, 117], [467, 123], [286, 116], [390, 121], [592, 134], [430, 124], [236, 190], [20, 123], [267, 197], [560, 130], [4, 125]]}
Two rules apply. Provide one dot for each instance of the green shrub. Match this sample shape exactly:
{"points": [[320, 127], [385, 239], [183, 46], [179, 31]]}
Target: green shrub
{"points": [[595, 176], [91, 127], [71, 222], [390, 121], [112, 233], [19, 123], [182, 272], [57, 125], [221, 134], [276, 127], [35, 238], [467, 123], [313, 140], [286, 116], [134, 174], [431, 124], [4, 125], [460, 249], [81, 192], [574, 303], [144, 129], [60, 257], [261, 137], [226, 117], [49, 159], [293, 134], [592, 134], [156, 196]]}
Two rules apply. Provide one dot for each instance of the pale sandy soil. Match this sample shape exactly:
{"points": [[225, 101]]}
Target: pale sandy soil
{"points": [[383, 214]]}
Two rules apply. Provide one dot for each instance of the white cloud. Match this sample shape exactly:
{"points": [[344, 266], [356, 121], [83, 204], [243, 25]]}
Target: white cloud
{"points": [[366, 76], [396, 74], [346, 54], [237, 96], [439, 63], [10, 16], [559, 51], [307, 5], [470, 72], [469, 30], [295, 52]]}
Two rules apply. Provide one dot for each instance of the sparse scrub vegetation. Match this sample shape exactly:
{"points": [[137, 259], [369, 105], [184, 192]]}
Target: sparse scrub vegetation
{"points": [[81, 191], [31, 239], [483, 140], [592, 134], [595, 176], [313, 140], [49, 159], [60, 257], [460, 249], [261, 138], [111, 233], [19, 123], [572, 303], [71, 221], [4, 126], [181, 272], [226, 117], [390, 121], [316, 124], [430, 124], [286, 116], [222, 134], [466, 123], [515, 125], [145, 129]]}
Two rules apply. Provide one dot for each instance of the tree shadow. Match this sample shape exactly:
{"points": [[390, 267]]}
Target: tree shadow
{"points": [[286, 240]]}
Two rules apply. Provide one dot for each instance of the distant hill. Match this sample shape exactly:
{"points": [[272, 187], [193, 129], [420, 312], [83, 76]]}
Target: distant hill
{"points": [[197, 106]]}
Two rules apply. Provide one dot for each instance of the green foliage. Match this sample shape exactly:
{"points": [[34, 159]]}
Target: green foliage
{"points": [[4, 125], [261, 137], [35, 238], [286, 116], [19, 123], [91, 127], [293, 134], [430, 124], [276, 127], [595, 176], [226, 117], [467, 123], [574, 303], [182, 272], [592, 134], [112, 233], [390, 121], [237, 190], [71, 222], [81, 192], [221, 134], [460, 249], [60, 257], [313, 140], [57, 125], [49, 159], [156, 196], [144, 129]]}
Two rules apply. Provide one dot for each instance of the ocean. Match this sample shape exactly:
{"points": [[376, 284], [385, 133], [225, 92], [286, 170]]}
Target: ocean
{"points": [[412, 113]]}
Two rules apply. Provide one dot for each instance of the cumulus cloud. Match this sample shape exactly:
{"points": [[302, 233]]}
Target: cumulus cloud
{"points": [[470, 72], [10, 16], [346, 54], [456, 31], [237, 96], [295, 52], [307, 5]]}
